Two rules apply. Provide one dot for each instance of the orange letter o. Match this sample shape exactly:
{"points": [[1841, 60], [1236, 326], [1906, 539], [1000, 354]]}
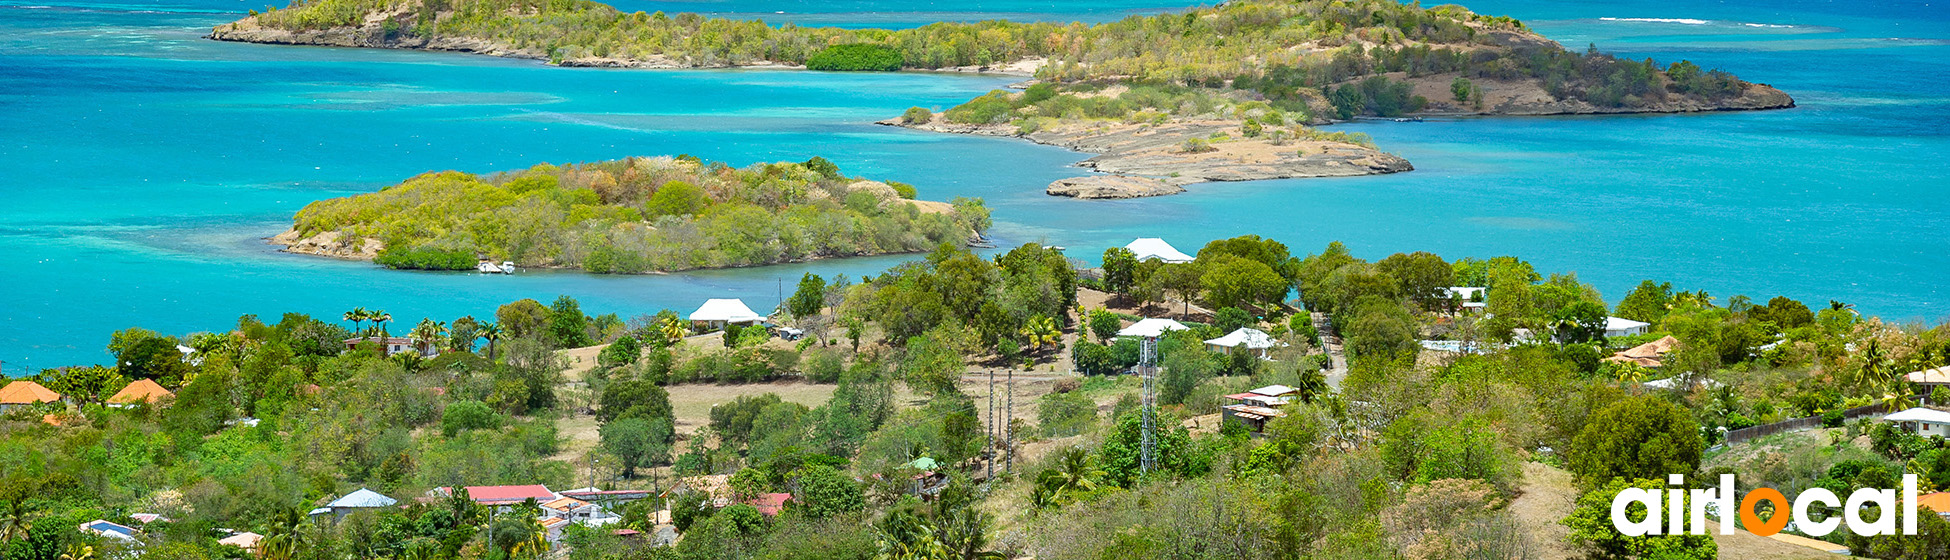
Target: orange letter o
{"points": [[1752, 521]]}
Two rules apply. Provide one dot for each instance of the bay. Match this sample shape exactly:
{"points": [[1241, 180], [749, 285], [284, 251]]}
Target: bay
{"points": [[140, 165]]}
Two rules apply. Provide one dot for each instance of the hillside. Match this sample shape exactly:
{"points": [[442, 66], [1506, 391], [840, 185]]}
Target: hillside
{"points": [[1286, 52], [631, 216]]}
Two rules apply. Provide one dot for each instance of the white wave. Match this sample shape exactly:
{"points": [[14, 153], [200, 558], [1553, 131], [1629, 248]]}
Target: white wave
{"points": [[1659, 20]]}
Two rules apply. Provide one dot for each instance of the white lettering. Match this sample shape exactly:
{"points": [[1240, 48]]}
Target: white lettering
{"points": [[1810, 497], [1624, 500], [1885, 523]]}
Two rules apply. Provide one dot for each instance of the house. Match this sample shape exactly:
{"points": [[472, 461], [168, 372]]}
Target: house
{"points": [[1254, 417], [1147, 248], [147, 518], [1938, 502], [500, 496], [578, 511], [1922, 421], [553, 527], [142, 391], [1472, 297], [361, 499], [1152, 328], [247, 541], [23, 392], [1619, 326], [1247, 338], [110, 530], [1649, 354], [1270, 396], [770, 504], [394, 345], [716, 313]]}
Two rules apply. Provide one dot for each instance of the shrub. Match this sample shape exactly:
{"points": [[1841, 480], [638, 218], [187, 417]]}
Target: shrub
{"points": [[425, 258], [1196, 146], [992, 107], [917, 115], [1065, 414], [904, 190], [467, 415], [857, 57]]}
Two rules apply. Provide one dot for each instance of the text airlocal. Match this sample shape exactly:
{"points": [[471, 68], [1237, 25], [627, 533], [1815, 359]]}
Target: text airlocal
{"points": [[1676, 522]]}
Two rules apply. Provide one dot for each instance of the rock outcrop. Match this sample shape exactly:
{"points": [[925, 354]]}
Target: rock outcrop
{"points": [[328, 244], [1112, 187]]}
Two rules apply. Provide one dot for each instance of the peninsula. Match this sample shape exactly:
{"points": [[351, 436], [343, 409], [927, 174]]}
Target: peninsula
{"points": [[637, 215], [1313, 62]]}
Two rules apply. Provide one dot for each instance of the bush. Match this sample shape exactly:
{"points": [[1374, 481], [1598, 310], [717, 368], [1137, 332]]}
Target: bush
{"points": [[425, 258], [1065, 414], [467, 415], [1832, 419], [904, 190], [1196, 146], [992, 107], [857, 57], [917, 115]]}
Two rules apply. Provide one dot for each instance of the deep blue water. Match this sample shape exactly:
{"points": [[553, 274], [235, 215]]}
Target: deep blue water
{"points": [[141, 165]]}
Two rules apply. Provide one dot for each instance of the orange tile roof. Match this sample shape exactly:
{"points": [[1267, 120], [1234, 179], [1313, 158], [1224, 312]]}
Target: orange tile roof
{"points": [[1938, 502], [26, 392], [142, 390]]}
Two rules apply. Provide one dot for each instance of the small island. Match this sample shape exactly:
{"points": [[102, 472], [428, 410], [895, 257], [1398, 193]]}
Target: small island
{"points": [[1216, 93], [636, 215]]}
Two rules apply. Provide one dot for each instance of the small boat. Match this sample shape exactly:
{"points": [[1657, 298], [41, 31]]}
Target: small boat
{"points": [[1408, 119], [490, 267]]}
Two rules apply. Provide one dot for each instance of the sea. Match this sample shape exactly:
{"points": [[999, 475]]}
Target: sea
{"points": [[142, 166]]}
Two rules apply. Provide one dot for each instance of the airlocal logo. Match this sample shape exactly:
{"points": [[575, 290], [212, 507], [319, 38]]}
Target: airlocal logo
{"points": [[1675, 522]]}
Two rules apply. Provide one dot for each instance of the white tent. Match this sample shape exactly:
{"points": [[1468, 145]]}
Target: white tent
{"points": [[1155, 248], [1619, 326], [719, 312], [363, 498], [1152, 328], [1248, 338]]}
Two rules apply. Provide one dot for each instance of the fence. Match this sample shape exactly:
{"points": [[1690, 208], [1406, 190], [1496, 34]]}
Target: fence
{"points": [[1798, 424]]}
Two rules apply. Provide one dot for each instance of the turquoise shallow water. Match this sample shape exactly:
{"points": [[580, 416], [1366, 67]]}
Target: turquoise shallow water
{"points": [[140, 165]]}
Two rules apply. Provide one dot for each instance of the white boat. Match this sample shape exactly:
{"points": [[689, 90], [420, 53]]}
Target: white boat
{"points": [[489, 267]]}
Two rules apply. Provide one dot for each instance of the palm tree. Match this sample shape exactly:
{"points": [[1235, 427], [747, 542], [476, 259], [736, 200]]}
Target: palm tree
{"points": [[15, 515], [380, 318], [79, 551], [1041, 331], [672, 329], [357, 316], [427, 334], [491, 332], [1073, 475]]}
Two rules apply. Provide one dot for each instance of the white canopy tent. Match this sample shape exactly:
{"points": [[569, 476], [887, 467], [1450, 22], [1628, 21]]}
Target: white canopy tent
{"points": [[1155, 248], [1152, 328], [717, 313]]}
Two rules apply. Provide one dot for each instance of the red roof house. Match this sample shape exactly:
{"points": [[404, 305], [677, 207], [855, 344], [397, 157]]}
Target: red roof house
{"points": [[504, 495]]}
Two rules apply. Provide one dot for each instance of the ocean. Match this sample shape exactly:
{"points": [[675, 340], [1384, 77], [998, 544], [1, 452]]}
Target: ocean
{"points": [[141, 166]]}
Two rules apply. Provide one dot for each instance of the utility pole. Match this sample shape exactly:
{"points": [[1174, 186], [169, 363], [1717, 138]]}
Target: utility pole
{"points": [[1147, 456], [1010, 428], [990, 434]]}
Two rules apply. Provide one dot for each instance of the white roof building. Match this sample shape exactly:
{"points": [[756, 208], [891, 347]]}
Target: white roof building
{"points": [[1152, 328], [359, 499], [725, 311], [1248, 338], [1155, 248], [1619, 326], [1925, 421]]}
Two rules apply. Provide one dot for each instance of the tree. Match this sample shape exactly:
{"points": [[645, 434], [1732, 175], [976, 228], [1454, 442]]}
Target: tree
{"points": [[427, 334], [623, 352], [1419, 276], [1636, 437], [568, 327], [1183, 371], [1235, 282], [809, 298], [1580, 322], [1104, 324], [677, 198], [1230, 319], [1073, 476], [357, 316], [633, 398], [1120, 269], [522, 318], [491, 332], [1591, 526], [1182, 279], [1461, 88], [824, 491], [1647, 303], [467, 415], [638, 442], [1041, 332]]}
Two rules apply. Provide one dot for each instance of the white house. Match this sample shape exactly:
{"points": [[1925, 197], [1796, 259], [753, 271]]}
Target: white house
{"points": [[1155, 248], [1152, 328], [1245, 337], [1923, 421], [716, 313], [358, 500], [1473, 297], [1619, 326], [395, 345]]}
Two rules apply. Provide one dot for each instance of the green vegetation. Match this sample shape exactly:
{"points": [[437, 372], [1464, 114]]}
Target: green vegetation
{"points": [[1287, 52], [1413, 453], [640, 215], [856, 57]]}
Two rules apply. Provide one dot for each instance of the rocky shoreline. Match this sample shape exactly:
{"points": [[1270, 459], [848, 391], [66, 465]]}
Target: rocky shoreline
{"points": [[1145, 160]]}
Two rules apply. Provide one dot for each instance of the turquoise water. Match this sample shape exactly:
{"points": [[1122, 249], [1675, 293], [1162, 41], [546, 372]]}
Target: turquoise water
{"points": [[140, 166]]}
